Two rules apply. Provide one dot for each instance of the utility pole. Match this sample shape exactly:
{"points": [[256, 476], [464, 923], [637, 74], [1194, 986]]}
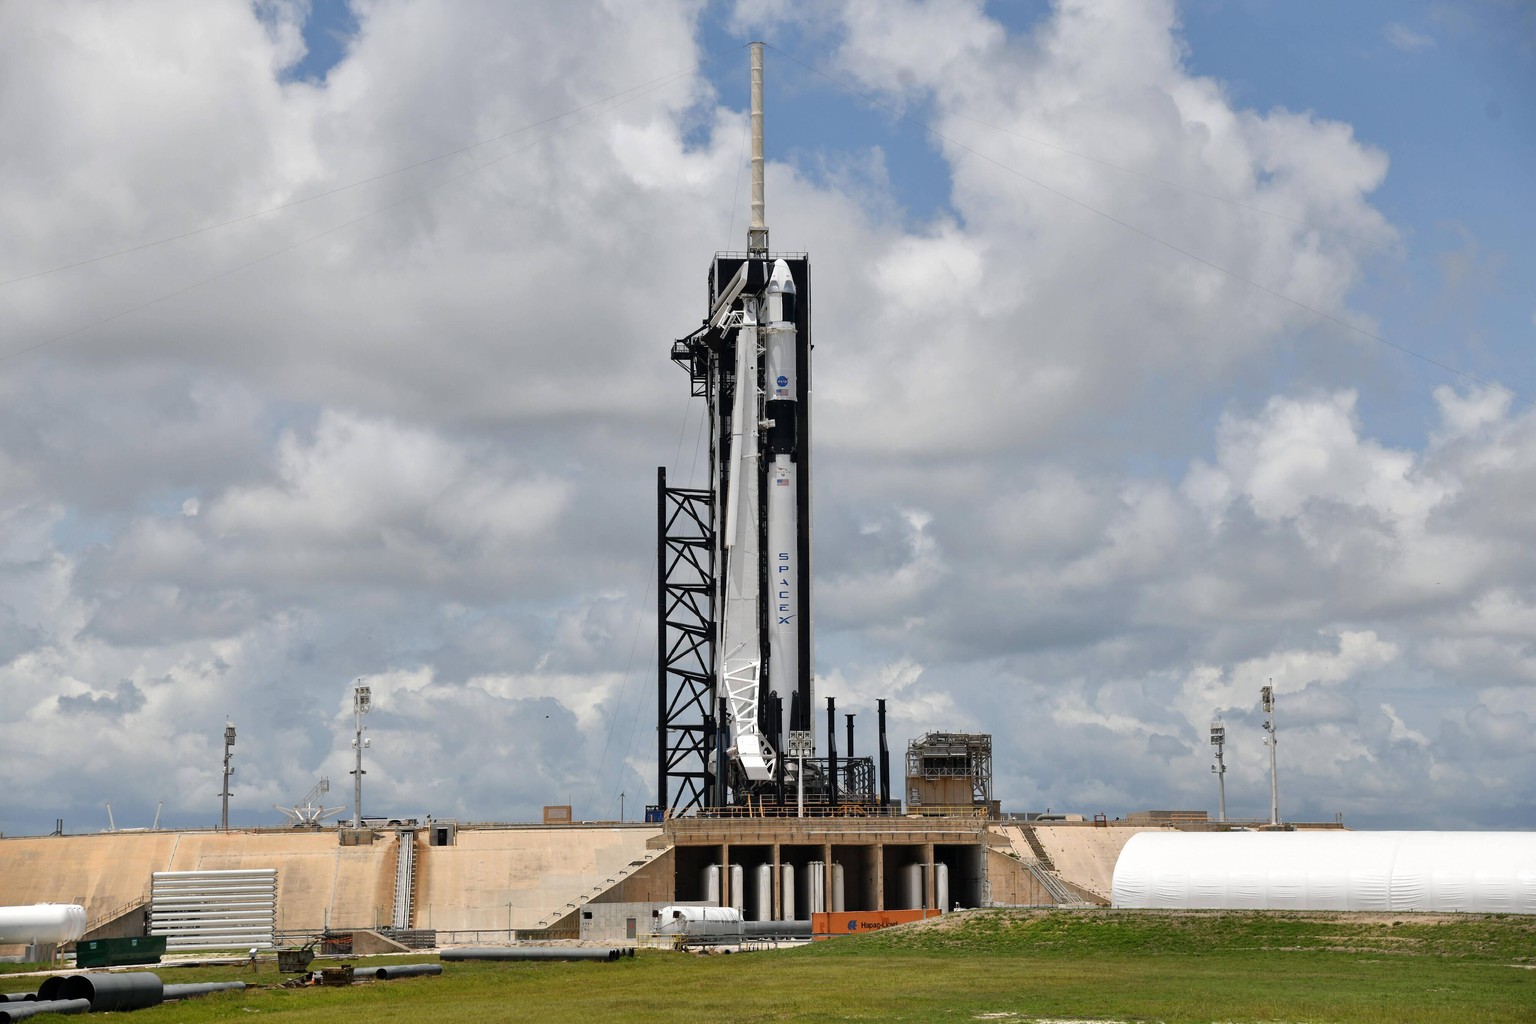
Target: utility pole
{"points": [[1268, 696], [362, 700], [1219, 741], [229, 746]]}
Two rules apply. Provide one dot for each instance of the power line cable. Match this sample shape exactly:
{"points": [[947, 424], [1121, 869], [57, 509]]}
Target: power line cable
{"points": [[746, 131]]}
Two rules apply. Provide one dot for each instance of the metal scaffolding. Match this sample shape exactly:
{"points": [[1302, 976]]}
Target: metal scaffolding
{"points": [[685, 551], [949, 769]]}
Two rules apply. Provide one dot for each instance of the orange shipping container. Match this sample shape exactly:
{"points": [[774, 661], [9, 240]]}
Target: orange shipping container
{"points": [[825, 926]]}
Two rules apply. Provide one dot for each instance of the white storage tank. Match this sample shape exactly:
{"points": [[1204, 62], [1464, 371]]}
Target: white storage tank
{"points": [[787, 891], [42, 924], [912, 887], [709, 881], [815, 888], [762, 890], [941, 886], [738, 888]]}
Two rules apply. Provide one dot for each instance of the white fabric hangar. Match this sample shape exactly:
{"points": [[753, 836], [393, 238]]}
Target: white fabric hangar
{"points": [[1474, 872]]}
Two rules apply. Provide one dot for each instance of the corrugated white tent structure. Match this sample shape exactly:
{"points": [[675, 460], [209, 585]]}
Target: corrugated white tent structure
{"points": [[1474, 872]]}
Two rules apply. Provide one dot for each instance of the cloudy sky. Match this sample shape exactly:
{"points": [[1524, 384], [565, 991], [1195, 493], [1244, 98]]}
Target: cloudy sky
{"points": [[1162, 350]]}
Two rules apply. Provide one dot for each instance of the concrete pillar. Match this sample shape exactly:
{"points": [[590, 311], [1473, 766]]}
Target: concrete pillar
{"points": [[826, 867], [929, 892], [879, 874], [778, 886]]}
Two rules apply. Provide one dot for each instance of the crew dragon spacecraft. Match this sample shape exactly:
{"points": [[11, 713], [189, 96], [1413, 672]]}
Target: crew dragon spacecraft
{"points": [[735, 631]]}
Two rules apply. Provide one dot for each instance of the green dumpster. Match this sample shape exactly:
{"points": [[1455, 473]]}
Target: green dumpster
{"points": [[141, 949]]}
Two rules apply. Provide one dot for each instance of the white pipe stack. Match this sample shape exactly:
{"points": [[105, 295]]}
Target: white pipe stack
{"points": [[214, 909]]}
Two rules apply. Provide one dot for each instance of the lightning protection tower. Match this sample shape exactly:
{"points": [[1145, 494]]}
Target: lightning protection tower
{"points": [[1267, 697], [734, 558], [229, 753], [1219, 741], [362, 702]]}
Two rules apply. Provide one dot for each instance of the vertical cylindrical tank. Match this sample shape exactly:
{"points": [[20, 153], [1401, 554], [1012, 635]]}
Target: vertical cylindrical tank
{"points": [[837, 901], [912, 886], [738, 891], [815, 888], [941, 886], [762, 889], [787, 892], [709, 883]]}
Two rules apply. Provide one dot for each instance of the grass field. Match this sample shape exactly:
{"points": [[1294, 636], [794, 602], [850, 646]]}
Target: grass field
{"points": [[978, 966]]}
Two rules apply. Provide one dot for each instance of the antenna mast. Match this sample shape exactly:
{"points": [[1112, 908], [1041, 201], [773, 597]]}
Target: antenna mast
{"points": [[1219, 741], [229, 745], [1267, 694], [757, 233], [362, 700]]}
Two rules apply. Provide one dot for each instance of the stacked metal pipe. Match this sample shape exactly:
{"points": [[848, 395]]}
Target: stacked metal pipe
{"points": [[515, 953], [102, 993], [22, 1010]]}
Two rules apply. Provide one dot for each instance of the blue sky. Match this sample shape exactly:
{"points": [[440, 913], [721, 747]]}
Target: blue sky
{"points": [[1074, 487], [1448, 90]]}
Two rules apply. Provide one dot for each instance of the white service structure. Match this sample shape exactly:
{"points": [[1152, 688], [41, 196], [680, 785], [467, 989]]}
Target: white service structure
{"points": [[1472, 872], [41, 924], [698, 921]]}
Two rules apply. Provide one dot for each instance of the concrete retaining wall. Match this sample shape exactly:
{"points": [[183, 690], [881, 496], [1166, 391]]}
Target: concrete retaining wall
{"points": [[322, 883]]}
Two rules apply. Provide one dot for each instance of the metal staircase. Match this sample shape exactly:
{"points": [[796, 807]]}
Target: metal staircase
{"points": [[405, 879], [1040, 867], [602, 887]]}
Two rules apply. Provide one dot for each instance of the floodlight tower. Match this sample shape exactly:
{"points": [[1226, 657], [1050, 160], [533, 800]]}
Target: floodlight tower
{"points": [[229, 746], [1267, 694], [1219, 741], [362, 700]]}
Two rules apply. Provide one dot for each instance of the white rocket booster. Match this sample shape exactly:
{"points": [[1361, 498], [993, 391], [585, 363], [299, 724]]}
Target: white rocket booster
{"points": [[763, 416], [783, 554]]}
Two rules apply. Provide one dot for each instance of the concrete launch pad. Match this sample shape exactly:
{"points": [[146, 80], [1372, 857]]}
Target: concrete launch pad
{"points": [[502, 878]]}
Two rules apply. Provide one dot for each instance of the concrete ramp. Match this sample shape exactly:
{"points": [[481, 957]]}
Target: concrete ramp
{"points": [[320, 882], [1085, 855], [491, 879], [498, 878]]}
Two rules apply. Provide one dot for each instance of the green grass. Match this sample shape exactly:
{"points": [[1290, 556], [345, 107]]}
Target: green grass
{"points": [[1021, 966], [19, 968]]}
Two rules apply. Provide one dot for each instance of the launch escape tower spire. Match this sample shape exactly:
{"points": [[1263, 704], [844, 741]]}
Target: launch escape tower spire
{"points": [[734, 585]]}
